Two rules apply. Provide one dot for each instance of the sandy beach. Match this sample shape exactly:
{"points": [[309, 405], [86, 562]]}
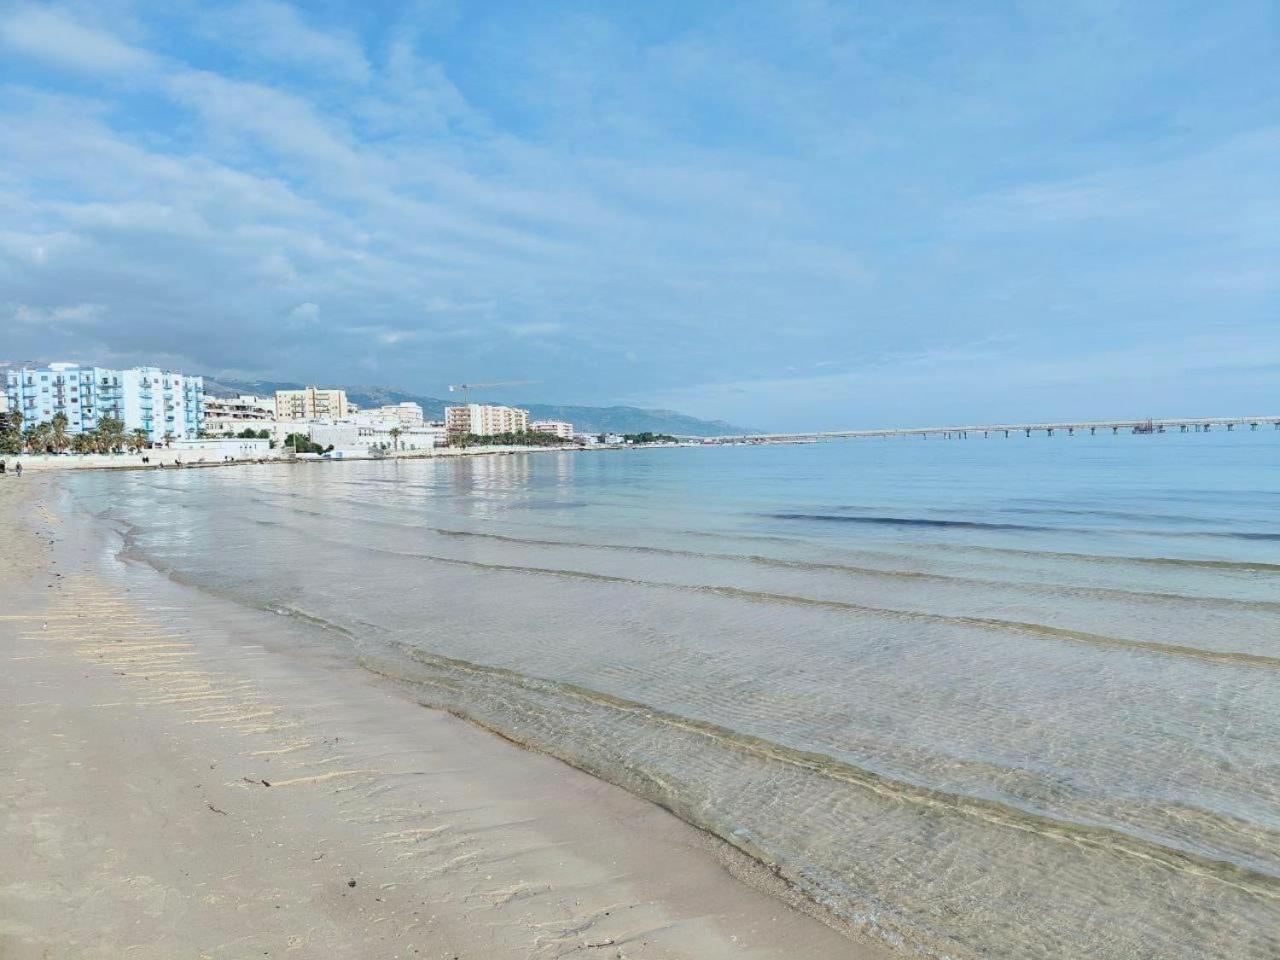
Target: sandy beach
{"points": [[181, 777]]}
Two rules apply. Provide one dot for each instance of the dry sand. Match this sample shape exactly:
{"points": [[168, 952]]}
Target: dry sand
{"points": [[180, 777]]}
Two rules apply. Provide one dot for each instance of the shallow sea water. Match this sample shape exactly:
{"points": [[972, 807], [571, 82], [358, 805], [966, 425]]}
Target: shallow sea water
{"points": [[981, 698]]}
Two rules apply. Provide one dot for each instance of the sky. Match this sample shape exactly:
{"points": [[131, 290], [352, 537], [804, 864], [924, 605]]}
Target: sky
{"points": [[799, 215]]}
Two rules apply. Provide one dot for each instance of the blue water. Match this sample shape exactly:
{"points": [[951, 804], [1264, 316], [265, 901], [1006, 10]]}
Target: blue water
{"points": [[980, 698]]}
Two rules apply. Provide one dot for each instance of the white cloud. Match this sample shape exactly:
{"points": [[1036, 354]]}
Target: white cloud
{"points": [[537, 329], [277, 32], [48, 34], [73, 315]]}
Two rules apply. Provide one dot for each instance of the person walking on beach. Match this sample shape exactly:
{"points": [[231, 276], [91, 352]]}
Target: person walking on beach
{"points": [[18, 469]]}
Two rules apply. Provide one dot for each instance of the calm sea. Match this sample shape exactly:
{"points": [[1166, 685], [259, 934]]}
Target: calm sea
{"points": [[1002, 698]]}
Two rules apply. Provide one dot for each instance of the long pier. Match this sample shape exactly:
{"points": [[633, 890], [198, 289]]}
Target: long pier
{"points": [[1146, 426]]}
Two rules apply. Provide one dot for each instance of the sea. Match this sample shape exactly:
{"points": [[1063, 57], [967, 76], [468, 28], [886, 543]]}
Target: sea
{"points": [[978, 697]]}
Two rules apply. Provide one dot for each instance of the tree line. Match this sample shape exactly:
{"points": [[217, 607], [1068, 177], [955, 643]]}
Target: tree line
{"points": [[522, 438], [54, 436]]}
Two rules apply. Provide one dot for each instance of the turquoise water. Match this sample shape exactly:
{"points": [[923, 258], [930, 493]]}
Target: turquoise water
{"points": [[981, 698]]}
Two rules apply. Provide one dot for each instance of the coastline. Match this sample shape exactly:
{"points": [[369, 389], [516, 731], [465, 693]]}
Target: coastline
{"points": [[185, 774], [174, 458]]}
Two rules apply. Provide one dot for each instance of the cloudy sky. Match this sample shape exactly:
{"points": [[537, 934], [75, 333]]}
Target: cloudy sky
{"points": [[784, 214]]}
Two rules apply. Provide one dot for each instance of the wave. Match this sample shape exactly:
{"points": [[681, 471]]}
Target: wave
{"points": [[867, 571], [911, 522], [983, 525], [1239, 566], [1235, 658], [897, 790]]}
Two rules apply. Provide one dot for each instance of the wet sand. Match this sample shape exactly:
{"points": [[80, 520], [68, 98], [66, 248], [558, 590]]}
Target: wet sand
{"points": [[182, 777]]}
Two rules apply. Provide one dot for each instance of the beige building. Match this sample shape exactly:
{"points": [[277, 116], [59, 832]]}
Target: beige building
{"points": [[485, 420], [560, 428], [311, 403]]}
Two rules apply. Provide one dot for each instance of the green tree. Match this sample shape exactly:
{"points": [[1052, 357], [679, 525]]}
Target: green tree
{"points": [[59, 438], [11, 440], [110, 435], [301, 443], [37, 437], [138, 440], [395, 437]]}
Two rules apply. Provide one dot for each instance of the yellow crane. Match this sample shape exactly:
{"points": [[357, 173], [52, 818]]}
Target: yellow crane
{"points": [[466, 388]]}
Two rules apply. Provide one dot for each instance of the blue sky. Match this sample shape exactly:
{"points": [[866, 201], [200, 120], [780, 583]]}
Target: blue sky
{"points": [[802, 214]]}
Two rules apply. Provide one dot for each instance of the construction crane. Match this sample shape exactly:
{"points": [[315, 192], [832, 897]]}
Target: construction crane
{"points": [[466, 388]]}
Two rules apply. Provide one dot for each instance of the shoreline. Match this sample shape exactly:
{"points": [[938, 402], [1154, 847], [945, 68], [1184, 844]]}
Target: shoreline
{"points": [[277, 771], [172, 459]]}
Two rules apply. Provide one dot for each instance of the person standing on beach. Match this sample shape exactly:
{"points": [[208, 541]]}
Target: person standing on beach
{"points": [[18, 469]]}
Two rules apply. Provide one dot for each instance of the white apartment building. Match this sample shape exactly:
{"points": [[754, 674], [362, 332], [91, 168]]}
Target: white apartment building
{"points": [[485, 420], [164, 403], [276, 430], [244, 407], [407, 414], [560, 428], [311, 403]]}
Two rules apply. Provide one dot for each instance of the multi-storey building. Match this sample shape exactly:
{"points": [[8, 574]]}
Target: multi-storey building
{"points": [[485, 420], [166, 404], [311, 403], [408, 413], [244, 407], [560, 428]]}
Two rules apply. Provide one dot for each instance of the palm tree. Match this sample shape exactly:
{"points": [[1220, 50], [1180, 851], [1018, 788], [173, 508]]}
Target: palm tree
{"points": [[110, 434], [395, 437], [85, 442], [137, 440], [37, 437], [59, 439]]}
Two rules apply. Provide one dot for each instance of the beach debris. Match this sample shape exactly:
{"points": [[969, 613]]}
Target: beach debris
{"points": [[351, 883], [215, 809], [265, 783]]}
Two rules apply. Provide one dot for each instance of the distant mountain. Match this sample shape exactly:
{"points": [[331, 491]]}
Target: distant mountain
{"points": [[590, 419]]}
